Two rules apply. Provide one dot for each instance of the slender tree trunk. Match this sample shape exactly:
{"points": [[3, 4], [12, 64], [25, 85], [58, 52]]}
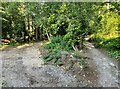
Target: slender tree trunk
{"points": [[48, 36], [26, 29], [36, 33], [29, 34], [30, 28], [33, 29], [40, 34], [10, 27]]}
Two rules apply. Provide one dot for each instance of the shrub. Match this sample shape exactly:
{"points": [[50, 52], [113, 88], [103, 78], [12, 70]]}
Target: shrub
{"points": [[55, 49], [111, 45], [59, 43], [115, 54]]}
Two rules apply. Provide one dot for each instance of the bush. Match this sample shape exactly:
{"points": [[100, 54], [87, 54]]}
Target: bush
{"points": [[59, 43], [115, 54], [54, 48], [111, 45], [56, 39], [107, 43]]}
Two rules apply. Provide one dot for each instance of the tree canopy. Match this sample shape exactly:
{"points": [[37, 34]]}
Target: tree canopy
{"points": [[22, 21]]}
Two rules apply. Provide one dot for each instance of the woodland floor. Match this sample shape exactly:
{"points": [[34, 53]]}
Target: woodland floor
{"points": [[23, 66]]}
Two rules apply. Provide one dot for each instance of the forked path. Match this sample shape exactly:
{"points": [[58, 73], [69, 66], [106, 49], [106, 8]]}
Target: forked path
{"points": [[108, 68], [24, 67]]}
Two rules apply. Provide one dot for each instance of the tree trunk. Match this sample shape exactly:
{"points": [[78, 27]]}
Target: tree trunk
{"points": [[29, 34], [36, 33], [48, 36], [10, 27], [30, 27], [26, 31], [40, 34]]}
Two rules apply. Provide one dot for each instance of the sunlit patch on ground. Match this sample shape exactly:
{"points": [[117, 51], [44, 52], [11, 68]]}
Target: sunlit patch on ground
{"points": [[25, 45], [3, 47]]}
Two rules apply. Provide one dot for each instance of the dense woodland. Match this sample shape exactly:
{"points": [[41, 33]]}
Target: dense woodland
{"points": [[69, 24]]}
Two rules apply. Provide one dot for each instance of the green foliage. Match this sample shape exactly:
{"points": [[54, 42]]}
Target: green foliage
{"points": [[49, 46], [71, 21], [111, 45], [41, 20], [115, 54], [107, 29], [53, 56], [55, 47], [58, 43], [77, 55]]}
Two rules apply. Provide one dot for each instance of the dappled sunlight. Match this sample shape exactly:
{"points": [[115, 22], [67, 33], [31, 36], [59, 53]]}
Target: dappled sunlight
{"points": [[46, 42], [3, 47], [65, 35], [6, 47], [19, 46], [25, 45]]}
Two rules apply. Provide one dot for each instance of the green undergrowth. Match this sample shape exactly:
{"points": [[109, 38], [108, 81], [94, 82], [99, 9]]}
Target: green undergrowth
{"points": [[60, 53], [112, 46], [58, 43]]}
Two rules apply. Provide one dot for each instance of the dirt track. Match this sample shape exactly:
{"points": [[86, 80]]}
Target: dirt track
{"points": [[24, 67], [107, 67]]}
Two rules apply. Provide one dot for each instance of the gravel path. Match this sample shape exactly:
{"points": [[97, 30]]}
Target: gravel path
{"points": [[108, 68], [23, 67]]}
